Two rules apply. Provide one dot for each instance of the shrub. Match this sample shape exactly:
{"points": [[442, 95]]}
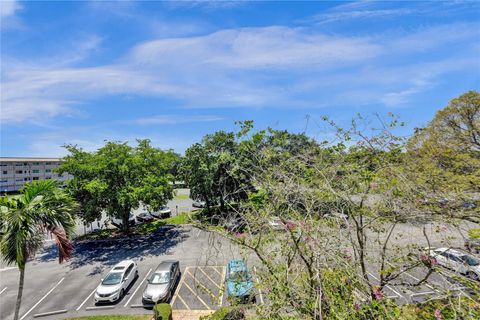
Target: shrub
{"points": [[163, 311], [226, 313]]}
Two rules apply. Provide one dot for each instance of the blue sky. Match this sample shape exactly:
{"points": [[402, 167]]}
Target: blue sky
{"points": [[87, 71]]}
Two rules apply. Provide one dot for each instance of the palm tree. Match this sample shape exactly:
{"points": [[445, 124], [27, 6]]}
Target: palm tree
{"points": [[41, 208]]}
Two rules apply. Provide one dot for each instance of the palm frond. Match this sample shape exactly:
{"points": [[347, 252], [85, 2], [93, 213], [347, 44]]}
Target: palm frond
{"points": [[64, 245]]}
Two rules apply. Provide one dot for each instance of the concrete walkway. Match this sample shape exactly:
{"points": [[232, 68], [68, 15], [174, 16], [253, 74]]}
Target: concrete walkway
{"points": [[190, 314]]}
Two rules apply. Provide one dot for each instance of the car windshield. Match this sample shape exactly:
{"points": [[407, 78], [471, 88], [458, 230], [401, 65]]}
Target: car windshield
{"points": [[239, 276], [160, 277], [112, 279], [471, 261]]}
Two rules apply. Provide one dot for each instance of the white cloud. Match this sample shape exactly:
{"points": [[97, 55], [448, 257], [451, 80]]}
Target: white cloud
{"points": [[248, 67], [8, 8], [175, 119]]}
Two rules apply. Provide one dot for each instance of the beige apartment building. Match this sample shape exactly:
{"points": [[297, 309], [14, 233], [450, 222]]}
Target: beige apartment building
{"points": [[15, 172]]}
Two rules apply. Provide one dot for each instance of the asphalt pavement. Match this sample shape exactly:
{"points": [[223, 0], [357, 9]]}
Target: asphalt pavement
{"points": [[54, 291]]}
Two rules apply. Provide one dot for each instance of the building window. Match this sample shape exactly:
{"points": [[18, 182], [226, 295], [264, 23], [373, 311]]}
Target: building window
{"points": [[18, 164], [4, 181], [36, 171], [26, 179], [5, 172], [3, 164], [48, 170], [19, 172], [60, 175], [48, 163], [36, 163], [18, 180], [25, 163], [48, 177], [35, 178]]}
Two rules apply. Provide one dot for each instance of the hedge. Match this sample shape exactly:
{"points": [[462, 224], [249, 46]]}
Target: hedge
{"points": [[162, 311]]}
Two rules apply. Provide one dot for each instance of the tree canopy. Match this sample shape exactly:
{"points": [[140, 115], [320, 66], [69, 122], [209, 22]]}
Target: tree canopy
{"points": [[118, 178]]}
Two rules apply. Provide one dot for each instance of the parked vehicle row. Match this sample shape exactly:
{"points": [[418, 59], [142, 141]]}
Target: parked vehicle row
{"points": [[458, 261], [160, 285], [164, 212]]}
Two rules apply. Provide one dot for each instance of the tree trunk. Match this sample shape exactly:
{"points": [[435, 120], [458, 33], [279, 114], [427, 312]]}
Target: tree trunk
{"points": [[126, 222], [20, 292]]}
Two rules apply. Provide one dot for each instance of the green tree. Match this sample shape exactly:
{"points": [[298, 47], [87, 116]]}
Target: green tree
{"points": [[445, 156], [118, 178], [213, 170], [41, 208]]}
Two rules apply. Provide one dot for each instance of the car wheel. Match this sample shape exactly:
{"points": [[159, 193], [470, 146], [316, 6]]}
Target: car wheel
{"points": [[472, 275], [122, 293], [136, 273]]}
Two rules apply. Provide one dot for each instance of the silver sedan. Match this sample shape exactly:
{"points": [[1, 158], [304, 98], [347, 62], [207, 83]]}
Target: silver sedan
{"points": [[161, 284]]}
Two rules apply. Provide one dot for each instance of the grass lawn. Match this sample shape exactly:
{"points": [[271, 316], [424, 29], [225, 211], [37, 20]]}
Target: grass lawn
{"points": [[114, 317]]}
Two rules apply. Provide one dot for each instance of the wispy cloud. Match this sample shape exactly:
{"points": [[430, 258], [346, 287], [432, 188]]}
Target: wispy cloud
{"points": [[272, 66], [8, 8], [175, 119]]}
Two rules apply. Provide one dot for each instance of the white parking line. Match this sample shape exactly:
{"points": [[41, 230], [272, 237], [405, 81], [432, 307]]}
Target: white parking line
{"points": [[415, 278], [39, 301], [256, 279], [195, 294], [208, 277], [422, 293], [389, 287], [3, 290], [224, 269], [131, 297], [6, 269], [178, 287], [86, 299], [183, 301]]}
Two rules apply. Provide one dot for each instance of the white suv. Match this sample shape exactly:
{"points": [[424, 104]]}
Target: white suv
{"points": [[458, 261], [117, 282]]}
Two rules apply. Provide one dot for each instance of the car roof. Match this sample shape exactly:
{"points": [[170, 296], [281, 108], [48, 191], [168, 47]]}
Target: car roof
{"points": [[237, 265], [165, 265], [123, 263], [452, 251]]}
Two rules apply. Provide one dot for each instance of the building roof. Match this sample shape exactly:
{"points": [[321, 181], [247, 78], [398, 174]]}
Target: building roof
{"points": [[28, 159]]}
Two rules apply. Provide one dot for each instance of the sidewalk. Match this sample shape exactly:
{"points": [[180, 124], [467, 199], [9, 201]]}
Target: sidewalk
{"points": [[190, 314]]}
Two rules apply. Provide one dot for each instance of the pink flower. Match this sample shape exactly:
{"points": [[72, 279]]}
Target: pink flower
{"points": [[428, 261], [438, 315], [356, 306], [378, 293], [291, 225]]}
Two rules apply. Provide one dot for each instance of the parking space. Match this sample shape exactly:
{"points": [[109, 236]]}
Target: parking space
{"points": [[57, 291], [200, 288], [404, 289]]}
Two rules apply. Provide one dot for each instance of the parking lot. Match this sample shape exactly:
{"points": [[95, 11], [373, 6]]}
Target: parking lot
{"points": [[404, 289], [54, 291]]}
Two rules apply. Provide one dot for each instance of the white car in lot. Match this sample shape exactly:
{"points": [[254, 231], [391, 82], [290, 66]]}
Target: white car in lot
{"points": [[197, 203], [117, 282], [457, 261]]}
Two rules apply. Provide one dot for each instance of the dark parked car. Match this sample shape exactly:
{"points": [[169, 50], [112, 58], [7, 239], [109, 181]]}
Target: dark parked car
{"points": [[145, 217], [161, 283], [164, 212]]}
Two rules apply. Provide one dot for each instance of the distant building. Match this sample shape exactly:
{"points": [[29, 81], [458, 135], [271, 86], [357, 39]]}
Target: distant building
{"points": [[15, 172]]}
